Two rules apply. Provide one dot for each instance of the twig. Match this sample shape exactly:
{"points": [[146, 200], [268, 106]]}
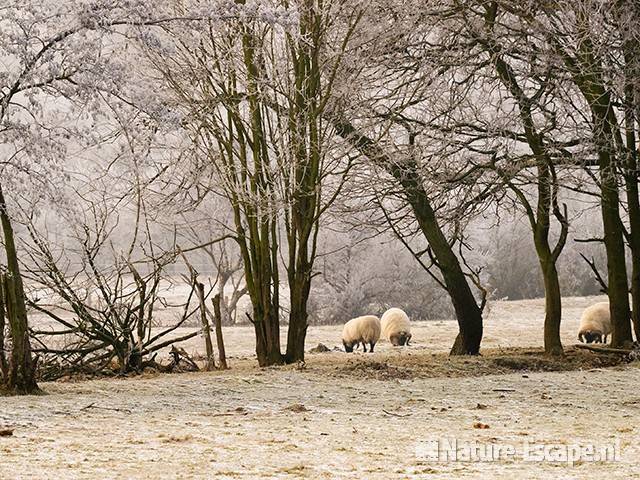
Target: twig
{"points": [[592, 265], [93, 405], [396, 414], [228, 414]]}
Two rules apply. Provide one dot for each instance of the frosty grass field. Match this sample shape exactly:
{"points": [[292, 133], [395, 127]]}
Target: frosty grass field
{"points": [[342, 416]]}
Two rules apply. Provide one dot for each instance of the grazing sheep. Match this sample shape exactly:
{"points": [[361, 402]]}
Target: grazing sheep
{"points": [[396, 327], [361, 330], [595, 323]]}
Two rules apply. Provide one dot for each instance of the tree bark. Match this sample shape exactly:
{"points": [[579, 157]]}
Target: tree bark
{"points": [[4, 366], [22, 368], [553, 309], [616, 265], [222, 355], [206, 328], [306, 182], [631, 184], [267, 340], [298, 317]]}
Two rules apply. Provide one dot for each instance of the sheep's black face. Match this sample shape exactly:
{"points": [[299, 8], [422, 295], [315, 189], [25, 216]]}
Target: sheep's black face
{"points": [[592, 337], [348, 347], [399, 339]]}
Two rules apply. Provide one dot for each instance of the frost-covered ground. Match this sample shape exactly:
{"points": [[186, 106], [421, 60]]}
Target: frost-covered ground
{"points": [[341, 416]]}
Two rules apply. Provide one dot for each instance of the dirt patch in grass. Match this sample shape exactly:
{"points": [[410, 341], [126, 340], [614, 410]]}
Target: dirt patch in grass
{"points": [[418, 364], [574, 359], [378, 370]]}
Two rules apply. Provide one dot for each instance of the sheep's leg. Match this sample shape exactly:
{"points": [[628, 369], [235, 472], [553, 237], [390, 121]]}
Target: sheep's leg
{"points": [[364, 346], [371, 344]]}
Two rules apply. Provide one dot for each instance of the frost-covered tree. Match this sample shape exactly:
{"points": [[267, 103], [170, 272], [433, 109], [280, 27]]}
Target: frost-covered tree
{"points": [[572, 69], [253, 95], [58, 61], [397, 87]]}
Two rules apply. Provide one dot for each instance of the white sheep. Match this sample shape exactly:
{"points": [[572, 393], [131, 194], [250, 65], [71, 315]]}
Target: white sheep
{"points": [[363, 330], [396, 327], [595, 323]]}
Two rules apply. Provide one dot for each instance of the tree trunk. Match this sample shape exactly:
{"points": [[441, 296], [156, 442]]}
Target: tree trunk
{"points": [[267, 341], [206, 328], [618, 287], [22, 374], [547, 198], [266, 324], [616, 266], [631, 183], [4, 367], [298, 318], [585, 69], [222, 355], [467, 310], [623, 13], [553, 309]]}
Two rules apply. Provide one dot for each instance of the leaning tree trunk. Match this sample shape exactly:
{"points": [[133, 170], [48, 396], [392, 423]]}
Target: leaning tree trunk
{"points": [[468, 313], [21, 376]]}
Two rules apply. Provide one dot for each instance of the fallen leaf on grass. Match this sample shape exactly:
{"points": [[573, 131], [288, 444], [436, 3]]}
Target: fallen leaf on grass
{"points": [[481, 425], [297, 407], [6, 432]]}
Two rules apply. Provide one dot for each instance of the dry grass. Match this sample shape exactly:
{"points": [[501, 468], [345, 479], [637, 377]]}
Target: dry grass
{"points": [[420, 363]]}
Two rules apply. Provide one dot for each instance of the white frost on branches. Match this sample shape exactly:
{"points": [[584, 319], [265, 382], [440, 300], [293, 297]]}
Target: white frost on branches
{"points": [[62, 63]]}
